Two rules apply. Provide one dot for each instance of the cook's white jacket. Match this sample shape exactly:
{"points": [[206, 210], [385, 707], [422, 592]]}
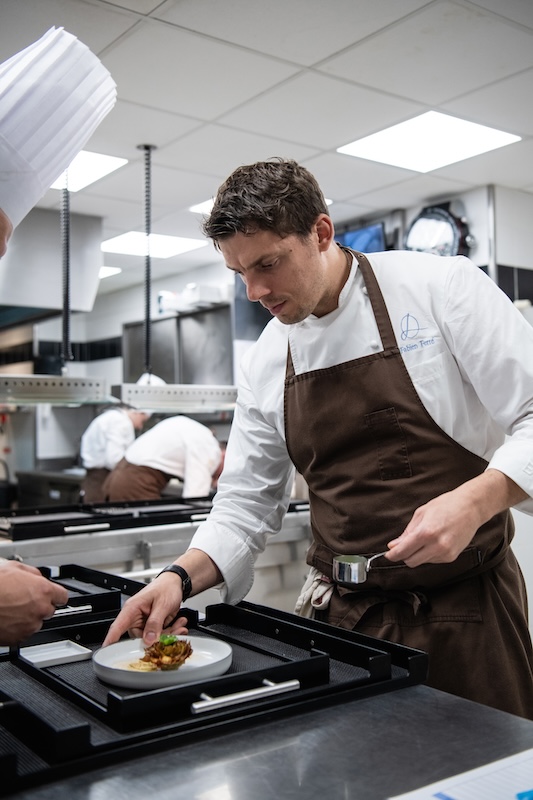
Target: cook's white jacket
{"points": [[106, 439], [181, 447], [469, 353]]}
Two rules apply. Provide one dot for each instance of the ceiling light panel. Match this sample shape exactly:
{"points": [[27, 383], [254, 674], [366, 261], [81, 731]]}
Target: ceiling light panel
{"points": [[87, 168], [136, 243], [202, 208], [107, 272], [428, 142]]}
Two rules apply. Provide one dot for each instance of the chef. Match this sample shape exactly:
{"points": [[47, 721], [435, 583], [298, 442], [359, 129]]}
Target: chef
{"points": [[53, 95], [176, 447], [104, 444], [390, 382]]}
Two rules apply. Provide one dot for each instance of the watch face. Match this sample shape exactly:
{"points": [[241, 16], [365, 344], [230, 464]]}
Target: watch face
{"points": [[437, 231]]}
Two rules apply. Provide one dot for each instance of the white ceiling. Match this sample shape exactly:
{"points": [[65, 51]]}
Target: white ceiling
{"points": [[218, 83]]}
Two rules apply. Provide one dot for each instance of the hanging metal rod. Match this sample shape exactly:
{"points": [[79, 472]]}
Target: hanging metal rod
{"points": [[66, 346], [147, 148]]}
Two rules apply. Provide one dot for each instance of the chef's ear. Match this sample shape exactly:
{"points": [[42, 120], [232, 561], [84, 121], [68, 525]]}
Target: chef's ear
{"points": [[325, 231]]}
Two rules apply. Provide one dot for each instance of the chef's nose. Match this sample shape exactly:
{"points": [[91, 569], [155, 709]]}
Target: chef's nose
{"points": [[256, 288]]}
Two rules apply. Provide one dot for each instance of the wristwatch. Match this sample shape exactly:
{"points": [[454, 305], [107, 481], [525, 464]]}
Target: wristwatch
{"points": [[185, 579]]}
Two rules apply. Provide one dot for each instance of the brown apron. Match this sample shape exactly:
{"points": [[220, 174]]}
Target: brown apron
{"points": [[92, 490], [132, 482], [371, 454]]}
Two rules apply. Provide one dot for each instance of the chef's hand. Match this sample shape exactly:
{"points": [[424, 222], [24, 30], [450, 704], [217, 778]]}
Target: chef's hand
{"points": [[441, 529], [156, 606], [150, 611], [26, 600]]}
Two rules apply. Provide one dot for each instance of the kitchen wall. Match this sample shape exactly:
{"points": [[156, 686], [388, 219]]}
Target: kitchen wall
{"points": [[112, 311], [495, 216]]}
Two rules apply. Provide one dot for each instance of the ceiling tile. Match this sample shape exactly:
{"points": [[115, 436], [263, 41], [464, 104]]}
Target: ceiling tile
{"points": [[342, 177], [25, 21], [303, 110], [301, 31], [423, 57], [500, 105], [139, 6], [509, 166], [520, 11], [162, 67], [130, 124], [217, 150]]}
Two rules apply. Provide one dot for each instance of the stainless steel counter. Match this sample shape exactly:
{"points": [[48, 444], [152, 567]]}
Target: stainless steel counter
{"points": [[370, 749]]}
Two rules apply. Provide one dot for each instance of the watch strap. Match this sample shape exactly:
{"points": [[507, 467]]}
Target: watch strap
{"points": [[185, 579]]}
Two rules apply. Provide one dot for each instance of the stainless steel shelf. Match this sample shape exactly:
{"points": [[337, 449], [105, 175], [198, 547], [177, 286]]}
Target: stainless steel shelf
{"points": [[181, 397], [24, 390]]}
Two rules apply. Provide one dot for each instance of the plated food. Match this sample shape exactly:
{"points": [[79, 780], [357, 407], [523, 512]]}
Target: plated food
{"points": [[168, 653], [130, 665]]}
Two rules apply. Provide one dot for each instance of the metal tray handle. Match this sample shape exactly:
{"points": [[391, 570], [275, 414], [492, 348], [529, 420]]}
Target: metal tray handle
{"points": [[65, 611], [90, 527], [208, 703]]}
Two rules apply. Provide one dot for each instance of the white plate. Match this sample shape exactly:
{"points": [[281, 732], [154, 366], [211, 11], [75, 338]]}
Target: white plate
{"points": [[210, 658], [52, 653]]}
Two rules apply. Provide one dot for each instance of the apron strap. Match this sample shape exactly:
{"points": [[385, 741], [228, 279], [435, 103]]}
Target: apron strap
{"points": [[375, 295]]}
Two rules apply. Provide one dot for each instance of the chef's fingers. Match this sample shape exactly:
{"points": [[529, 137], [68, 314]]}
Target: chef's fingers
{"points": [[145, 613], [59, 595], [131, 619], [166, 602], [177, 625]]}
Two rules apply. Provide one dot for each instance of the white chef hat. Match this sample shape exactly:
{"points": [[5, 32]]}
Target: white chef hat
{"points": [[149, 379], [53, 95]]}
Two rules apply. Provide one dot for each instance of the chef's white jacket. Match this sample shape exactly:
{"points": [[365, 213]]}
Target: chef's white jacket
{"points": [[181, 447], [469, 353], [106, 439]]}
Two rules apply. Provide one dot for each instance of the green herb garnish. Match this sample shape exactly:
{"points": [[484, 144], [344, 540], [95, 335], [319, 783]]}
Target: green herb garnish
{"points": [[168, 638]]}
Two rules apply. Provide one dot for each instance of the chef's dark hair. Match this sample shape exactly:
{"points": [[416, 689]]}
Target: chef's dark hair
{"points": [[277, 195]]}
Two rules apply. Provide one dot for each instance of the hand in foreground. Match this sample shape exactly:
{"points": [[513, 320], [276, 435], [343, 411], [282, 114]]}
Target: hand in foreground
{"points": [[26, 600], [150, 611]]}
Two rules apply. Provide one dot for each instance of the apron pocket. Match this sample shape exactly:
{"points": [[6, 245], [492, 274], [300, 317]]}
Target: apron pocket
{"points": [[393, 458]]}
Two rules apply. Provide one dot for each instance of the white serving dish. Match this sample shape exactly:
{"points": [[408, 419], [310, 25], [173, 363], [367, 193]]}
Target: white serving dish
{"points": [[53, 653], [210, 658]]}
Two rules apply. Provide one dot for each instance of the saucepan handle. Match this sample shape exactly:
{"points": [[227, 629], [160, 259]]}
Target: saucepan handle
{"points": [[378, 555]]}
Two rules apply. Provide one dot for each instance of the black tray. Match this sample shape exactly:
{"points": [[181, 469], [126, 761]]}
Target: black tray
{"points": [[44, 521], [62, 719]]}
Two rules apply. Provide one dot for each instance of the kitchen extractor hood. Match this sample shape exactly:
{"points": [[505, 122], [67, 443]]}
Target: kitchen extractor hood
{"points": [[177, 397], [30, 271]]}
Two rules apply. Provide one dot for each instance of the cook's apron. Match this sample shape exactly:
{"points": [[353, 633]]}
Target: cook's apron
{"points": [[92, 485], [132, 482], [371, 454]]}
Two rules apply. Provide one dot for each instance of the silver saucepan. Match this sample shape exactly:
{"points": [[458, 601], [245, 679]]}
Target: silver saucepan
{"points": [[351, 570]]}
